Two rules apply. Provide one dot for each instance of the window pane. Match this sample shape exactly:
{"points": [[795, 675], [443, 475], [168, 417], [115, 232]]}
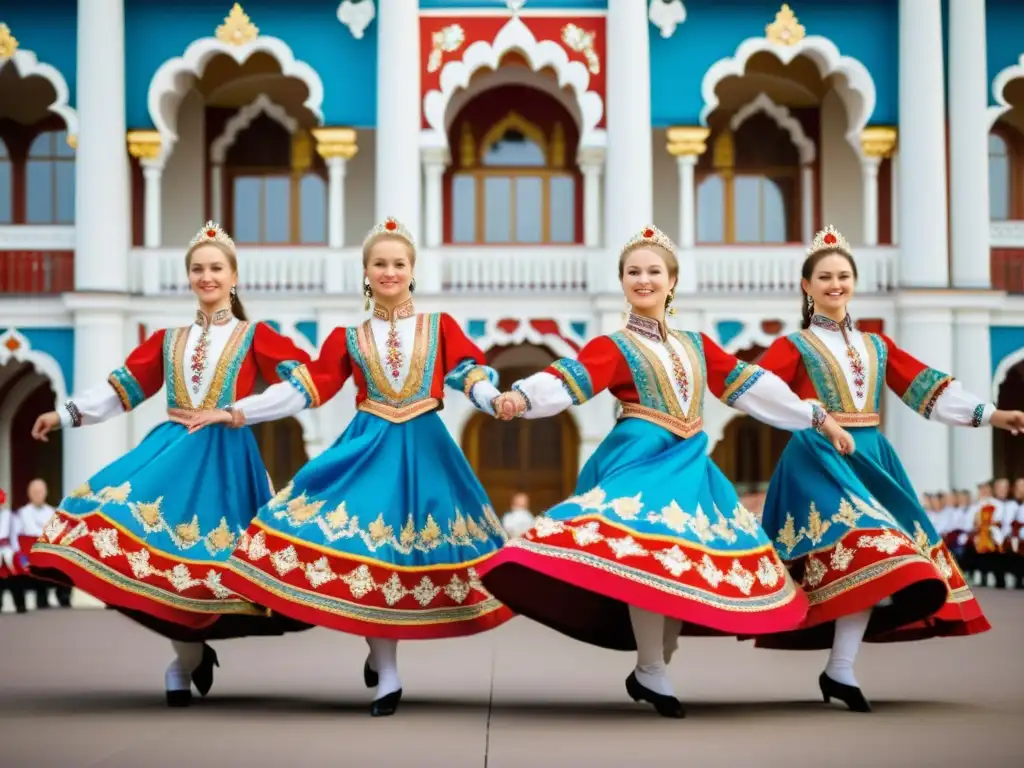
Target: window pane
{"points": [[42, 145], [39, 192], [246, 213], [747, 196], [463, 209], [497, 209], [313, 210], [60, 144], [998, 183], [515, 150], [277, 209], [711, 210], [773, 211], [65, 172], [6, 190], [529, 209], [563, 209]]}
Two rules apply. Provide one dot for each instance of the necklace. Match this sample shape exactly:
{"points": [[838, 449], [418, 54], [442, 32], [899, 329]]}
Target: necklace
{"points": [[394, 357], [651, 329], [856, 364], [200, 356]]}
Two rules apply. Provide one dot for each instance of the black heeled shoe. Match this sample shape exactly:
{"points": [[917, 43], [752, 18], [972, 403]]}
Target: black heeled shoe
{"points": [[386, 705], [666, 706], [370, 677], [850, 695], [179, 698], [202, 676]]}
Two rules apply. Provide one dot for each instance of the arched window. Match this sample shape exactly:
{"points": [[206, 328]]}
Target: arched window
{"points": [[6, 185], [50, 180], [512, 184], [999, 169]]}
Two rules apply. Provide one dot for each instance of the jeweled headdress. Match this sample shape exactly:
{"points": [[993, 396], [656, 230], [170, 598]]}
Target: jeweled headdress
{"points": [[212, 233], [649, 235], [390, 227], [830, 239]]}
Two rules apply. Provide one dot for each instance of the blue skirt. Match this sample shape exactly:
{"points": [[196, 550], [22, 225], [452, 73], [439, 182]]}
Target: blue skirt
{"points": [[150, 534], [655, 524], [381, 535], [853, 533]]}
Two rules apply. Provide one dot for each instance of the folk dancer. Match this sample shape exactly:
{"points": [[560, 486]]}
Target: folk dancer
{"points": [[150, 533], [1013, 546], [655, 542], [852, 530], [381, 535]]}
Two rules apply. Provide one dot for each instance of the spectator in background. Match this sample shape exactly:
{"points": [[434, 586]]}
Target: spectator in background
{"points": [[518, 520], [31, 519], [9, 578]]}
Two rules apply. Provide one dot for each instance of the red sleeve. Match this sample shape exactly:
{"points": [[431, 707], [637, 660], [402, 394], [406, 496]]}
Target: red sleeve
{"points": [[142, 374], [598, 366], [464, 364], [321, 379], [276, 354], [728, 376], [917, 385], [783, 359]]}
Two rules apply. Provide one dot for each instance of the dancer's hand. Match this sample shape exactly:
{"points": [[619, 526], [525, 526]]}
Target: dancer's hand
{"points": [[509, 405], [196, 420], [841, 440], [44, 425], [1011, 421]]}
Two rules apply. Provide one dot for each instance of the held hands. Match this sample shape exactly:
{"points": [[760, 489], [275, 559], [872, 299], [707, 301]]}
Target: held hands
{"points": [[509, 405], [44, 425], [841, 440], [196, 420], [1011, 421]]}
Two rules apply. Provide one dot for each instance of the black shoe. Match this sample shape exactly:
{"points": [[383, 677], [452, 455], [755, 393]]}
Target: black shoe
{"points": [[202, 676], [848, 694], [370, 677], [179, 698], [666, 706], [386, 705]]}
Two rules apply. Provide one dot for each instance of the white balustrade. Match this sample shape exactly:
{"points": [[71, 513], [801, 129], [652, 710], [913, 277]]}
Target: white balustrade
{"points": [[33, 237], [521, 270], [1006, 234]]}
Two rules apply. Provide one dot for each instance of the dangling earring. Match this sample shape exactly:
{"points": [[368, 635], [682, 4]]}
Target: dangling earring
{"points": [[668, 304], [412, 285], [234, 293], [368, 292], [810, 303]]}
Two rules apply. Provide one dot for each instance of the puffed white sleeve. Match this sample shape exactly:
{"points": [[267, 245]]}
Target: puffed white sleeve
{"points": [[768, 399], [956, 407], [569, 381], [93, 406], [276, 402]]}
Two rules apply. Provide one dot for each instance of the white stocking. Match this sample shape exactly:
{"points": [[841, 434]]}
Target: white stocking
{"points": [[369, 661], [671, 644], [188, 656], [384, 656], [649, 631], [849, 633]]}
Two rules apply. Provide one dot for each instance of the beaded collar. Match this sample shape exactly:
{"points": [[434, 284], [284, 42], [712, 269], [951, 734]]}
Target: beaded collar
{"points": [[647, 327], [220, 317], [402, 311], [828, 324]]}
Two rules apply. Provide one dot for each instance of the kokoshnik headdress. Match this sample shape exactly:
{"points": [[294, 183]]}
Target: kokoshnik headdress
{"points": [[830, 239], [211, 232], [649, 235], [390, 227]]}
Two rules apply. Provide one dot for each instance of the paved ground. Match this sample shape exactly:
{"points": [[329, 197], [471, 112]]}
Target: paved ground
{"points": [[84, 688]]}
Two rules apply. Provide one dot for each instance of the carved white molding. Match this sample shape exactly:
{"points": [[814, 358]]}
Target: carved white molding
{"points": [[42, 362], [999, 83], [28, 65], [37, 237], [357, 16], [666, 15], [175, 77], [763, 103], [243, 118], [514, 35], [1006, 234], [1006, 365], [856, 88]]}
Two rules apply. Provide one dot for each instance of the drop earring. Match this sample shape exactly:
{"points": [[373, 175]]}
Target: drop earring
{"points": [[810, 303], [368, 292], [668, 304]]}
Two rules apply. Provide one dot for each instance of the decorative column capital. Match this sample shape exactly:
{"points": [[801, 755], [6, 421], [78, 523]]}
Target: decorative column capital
{"points": [[687, 140], [878, 141], [335, 142], [435, 156], [590, 158], [144, 146]]}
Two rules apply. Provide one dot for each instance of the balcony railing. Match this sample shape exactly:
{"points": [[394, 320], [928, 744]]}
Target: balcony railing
{"points": [[1006, 234], [36, 272]]}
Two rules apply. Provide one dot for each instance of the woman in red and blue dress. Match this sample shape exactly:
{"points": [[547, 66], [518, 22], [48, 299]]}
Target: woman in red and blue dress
{"points": [[851, 529], [151, 533], [654, 543], [382, 534]]}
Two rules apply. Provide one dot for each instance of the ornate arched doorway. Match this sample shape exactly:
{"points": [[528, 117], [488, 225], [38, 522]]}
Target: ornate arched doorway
{"points": [[283, 449], [1007, 452], [24, 395], [748, 453], [539, 457]]}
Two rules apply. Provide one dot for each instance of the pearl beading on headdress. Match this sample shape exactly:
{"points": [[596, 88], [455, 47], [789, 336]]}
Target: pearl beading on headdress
{"points": [[391, 227], [650, 235], [211, 232], [829, 239]]}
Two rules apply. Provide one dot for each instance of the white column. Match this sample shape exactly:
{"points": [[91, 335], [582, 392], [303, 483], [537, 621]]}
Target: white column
{"points": [[922, 119], [926, 332], [398, 113], [968, 145], [687, 201], [435, 160], [628, 180], [894, 195], [152, 173], [972, 448], [216, 191], [869, 195], [336, 146], [687, 144], [807, 202], [591, 163]]}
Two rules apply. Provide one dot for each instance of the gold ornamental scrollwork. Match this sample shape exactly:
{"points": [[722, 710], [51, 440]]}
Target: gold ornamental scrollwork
{"points": [[446, 40], [144, 145], [581, 41], [878, 141], [335, 142], [237, 28], [786, 29], [8, 43], [687, 140]]}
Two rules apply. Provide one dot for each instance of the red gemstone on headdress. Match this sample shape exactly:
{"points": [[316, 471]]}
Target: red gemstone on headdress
{"points": [[830, 239], [390, 226], [211, 233], [648, 233]]}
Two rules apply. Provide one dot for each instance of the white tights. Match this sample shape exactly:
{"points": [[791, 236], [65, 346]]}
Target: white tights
{"points": [[187, 657], [657, 638], [849, 634], [384, 661]]}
